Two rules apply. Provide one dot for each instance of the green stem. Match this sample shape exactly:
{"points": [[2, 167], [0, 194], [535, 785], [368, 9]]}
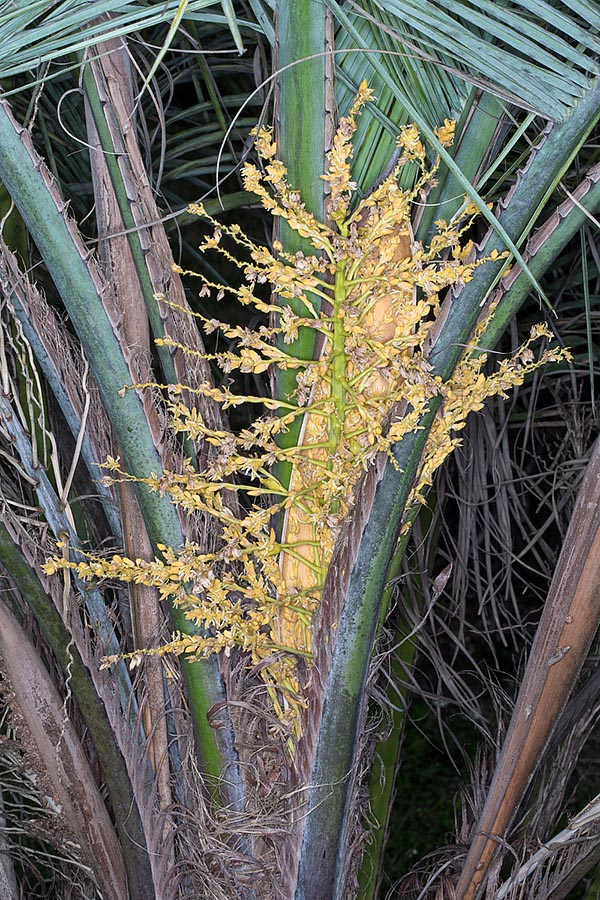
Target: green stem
{"points": [[115, 158], [338, 359], [303, 90], [385, 765], [474, 135], [387, 751]]}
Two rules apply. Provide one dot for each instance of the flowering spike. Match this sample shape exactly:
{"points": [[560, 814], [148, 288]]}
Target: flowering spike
{"points": [[368, 390]]}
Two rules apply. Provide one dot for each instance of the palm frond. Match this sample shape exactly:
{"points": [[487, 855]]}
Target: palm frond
{"points": [[33, 34], [542, 57]]}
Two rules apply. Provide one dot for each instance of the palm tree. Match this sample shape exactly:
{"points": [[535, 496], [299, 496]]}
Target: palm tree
{"points": [[180, 781]]}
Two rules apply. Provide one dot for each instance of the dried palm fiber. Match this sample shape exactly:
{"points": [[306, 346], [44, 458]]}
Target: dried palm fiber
{"points": [[568, 624]]}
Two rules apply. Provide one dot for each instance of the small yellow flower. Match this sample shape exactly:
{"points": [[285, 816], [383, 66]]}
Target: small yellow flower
{"points": [[410, 141], [445, 132]]}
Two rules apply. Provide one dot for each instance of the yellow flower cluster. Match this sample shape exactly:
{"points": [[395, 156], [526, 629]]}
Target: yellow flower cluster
{"points": [[371, 293]]}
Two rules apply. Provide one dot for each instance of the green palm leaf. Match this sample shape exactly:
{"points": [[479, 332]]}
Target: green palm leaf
{"points": [[543, 57], [32, 34]]}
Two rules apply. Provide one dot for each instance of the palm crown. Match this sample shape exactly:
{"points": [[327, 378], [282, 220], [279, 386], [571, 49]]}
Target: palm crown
{"points": [[242, 770]]}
